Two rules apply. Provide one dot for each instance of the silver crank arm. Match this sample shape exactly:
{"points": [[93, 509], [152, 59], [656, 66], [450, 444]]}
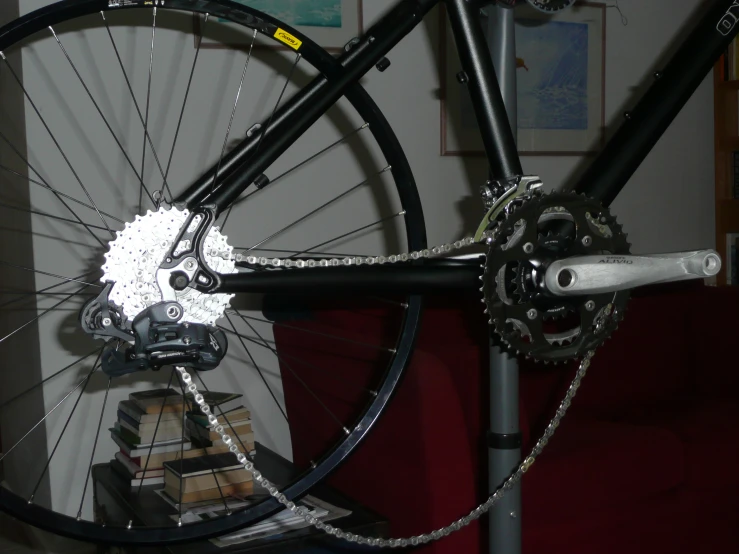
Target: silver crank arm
{"points": [[584, 275]]}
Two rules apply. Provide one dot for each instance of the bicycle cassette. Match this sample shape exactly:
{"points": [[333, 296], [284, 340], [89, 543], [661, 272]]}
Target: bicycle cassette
{"points": [[539, 230]]}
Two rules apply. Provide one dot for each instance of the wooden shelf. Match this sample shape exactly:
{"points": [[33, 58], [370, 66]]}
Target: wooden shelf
{"points": [[726, 141], [727, 215]]}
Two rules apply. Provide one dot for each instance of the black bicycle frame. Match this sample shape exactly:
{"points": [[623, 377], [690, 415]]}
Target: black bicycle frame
{"points": [[605, 177]]}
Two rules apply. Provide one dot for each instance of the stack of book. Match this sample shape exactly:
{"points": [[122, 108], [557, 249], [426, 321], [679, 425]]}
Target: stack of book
{"points": [[149, 433]]}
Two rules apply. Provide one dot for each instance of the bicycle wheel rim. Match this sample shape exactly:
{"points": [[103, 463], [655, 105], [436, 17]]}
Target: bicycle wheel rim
{"points": [[415, 234]]}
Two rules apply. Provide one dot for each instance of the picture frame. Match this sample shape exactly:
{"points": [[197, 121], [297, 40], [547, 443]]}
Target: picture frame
{"points": [[561, 86], [330, 23]]}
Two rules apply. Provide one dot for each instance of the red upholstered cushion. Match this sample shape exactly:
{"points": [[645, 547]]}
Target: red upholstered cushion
{"points": [[591, 465], [709, 430], [645, 363], [713, 333]]}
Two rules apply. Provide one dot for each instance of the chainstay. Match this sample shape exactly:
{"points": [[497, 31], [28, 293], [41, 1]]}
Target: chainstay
{"points": [[511, 481]]}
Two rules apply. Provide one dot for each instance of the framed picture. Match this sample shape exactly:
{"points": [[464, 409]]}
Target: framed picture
{"points": [[330, 23], [560, 74]]}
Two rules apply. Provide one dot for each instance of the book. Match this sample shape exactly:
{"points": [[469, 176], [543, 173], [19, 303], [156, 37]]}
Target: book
{"points": [[168, 400], [234, 415], [232, 502], [135, 450], [147, 435], [203, 465], [158, 460], [239, 489], [175, 422], [204, 433], [207, 481], [118, 467], [134, 470], [140, 416], [157, 400], [247, 440]]}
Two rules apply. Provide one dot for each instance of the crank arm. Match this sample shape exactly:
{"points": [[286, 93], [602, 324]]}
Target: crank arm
{"points": [[585, 275]]}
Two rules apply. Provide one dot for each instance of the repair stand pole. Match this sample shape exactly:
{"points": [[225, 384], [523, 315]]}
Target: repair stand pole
{"points": [[504, 436]]}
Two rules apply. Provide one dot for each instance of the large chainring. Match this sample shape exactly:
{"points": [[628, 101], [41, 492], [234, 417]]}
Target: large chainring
{"points": [[539, 230]]}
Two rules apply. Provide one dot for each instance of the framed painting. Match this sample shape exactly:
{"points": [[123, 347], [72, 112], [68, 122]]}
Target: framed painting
{"points": [[330, 23], [560, 77]]}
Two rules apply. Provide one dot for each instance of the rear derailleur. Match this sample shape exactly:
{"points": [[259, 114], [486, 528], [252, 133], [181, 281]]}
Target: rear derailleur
{"points": [[157, 335]]}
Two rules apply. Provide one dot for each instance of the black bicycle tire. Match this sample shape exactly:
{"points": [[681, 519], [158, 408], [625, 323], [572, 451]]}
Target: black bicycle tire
{"points": [[64, 525]]}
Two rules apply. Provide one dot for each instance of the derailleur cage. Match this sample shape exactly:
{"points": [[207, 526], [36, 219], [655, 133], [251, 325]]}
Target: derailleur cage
{"points": [[160, 339]]}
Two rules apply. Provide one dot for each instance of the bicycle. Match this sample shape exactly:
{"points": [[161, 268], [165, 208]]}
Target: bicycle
{"points": [[173, 271]]}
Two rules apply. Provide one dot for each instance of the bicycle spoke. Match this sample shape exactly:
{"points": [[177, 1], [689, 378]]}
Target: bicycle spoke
{"points": [[21, 394], [184, 102], [266, 127], [310, 331], [38, 317], [59, 218], [66, 279], [5, 454], [326, 373], [259, 370], [233, 111], [147, 137], [64, 429], [355, 231], [45, 289], [305, 161], [105, 120], [319, 208], [56, 192], [94, 447], [156, 429], [148, 103], [303, 383], [53, 138]]}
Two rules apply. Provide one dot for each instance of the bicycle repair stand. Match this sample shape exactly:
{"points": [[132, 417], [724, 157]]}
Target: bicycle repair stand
{"points": [[504, 437]]}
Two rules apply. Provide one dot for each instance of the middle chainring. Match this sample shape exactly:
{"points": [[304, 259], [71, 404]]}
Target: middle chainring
{"points": [[537, 231]]}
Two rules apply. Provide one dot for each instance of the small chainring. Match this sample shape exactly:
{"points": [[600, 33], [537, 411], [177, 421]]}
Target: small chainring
{"points": [[537, 231]]}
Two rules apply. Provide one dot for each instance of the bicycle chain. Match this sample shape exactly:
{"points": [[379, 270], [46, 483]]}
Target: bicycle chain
{"points": [[511, 481]]}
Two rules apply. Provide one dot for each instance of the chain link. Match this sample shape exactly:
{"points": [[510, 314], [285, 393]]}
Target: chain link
{"points": [[292, 263], [302, 512]]}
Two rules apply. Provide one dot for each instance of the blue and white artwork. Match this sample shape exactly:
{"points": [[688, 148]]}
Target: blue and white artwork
{"points": [[552, 75], [308, 13]]}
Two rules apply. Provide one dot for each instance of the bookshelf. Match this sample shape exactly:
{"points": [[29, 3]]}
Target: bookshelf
{"points": [[726, 141]]}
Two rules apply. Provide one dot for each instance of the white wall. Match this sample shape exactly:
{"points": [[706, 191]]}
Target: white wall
{"points": [[677, 174]]}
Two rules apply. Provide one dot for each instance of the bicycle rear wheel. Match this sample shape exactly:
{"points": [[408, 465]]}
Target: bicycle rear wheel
{"points": [[111, 109]]}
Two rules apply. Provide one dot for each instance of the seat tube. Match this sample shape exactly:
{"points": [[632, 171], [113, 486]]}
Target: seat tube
{"points": [[504, 435], [479, 77]]}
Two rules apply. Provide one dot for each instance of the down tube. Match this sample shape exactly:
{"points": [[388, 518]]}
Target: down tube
{"points": [[487, 99], [673, 87]]}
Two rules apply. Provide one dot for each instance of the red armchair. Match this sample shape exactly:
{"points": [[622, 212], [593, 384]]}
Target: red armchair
{"points": [[646, 460]]}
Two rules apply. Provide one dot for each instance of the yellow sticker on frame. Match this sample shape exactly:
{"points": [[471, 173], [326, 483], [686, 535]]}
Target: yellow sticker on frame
{"points": [[286, 38]]}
